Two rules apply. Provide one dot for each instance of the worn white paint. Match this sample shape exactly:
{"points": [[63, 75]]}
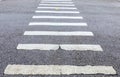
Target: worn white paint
{"points": [[57, 0], [56, 33], [56, 4], [59, 17], [38, 46], [57, 69], [42, 11], [56, 8], [68, 47], [81, 47], [57, 24]]}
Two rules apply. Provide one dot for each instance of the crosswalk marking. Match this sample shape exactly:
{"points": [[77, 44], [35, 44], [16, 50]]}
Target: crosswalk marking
{"points": [[57, 69], [59, 17], [58, 2], [56, 33], [45, 8], [57, 24], [38, 46], [70, 47], [56, 7], [81, 47], [42, 11]]}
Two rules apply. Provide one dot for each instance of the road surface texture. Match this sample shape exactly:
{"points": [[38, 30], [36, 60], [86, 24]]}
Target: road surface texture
{"points": [[59, 38]]}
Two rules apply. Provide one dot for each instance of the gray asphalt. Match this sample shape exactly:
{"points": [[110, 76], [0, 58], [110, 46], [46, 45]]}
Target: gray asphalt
{"points": [[102, 16]]}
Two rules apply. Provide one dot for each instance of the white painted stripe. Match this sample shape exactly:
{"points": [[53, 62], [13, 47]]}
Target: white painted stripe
{"points": [[56, 8], [59, 2], [56, 33], [57, 69], [68, 47], [57, 24], [56, 5], [38, 46], [59, 17], [81, 47], [56, 11]]}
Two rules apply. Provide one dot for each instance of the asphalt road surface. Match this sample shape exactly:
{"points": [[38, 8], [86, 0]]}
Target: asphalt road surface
{"points": [[59, 38]]}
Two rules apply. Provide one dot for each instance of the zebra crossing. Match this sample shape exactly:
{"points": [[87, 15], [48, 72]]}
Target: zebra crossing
{"points": [[56, 7]]}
